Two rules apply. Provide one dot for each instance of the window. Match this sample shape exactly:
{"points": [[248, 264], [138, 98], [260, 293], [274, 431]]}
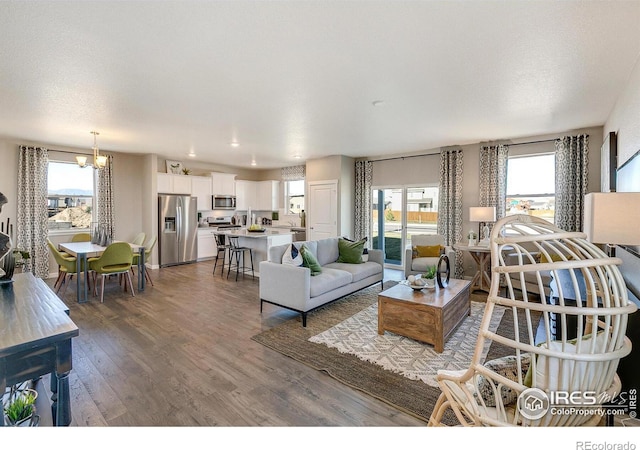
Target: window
{"points": [[70, 195], [531, 186], [294, 196]]}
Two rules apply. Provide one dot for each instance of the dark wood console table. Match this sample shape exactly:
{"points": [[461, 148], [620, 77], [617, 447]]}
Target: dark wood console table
{"points": [[35, 339]]}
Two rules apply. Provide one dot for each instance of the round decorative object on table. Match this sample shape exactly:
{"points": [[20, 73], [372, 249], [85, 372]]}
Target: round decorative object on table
{"points": [[442, 283]]}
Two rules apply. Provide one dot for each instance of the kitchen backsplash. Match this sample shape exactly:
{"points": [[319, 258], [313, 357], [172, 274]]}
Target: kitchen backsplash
{"points": [[288, 219]]}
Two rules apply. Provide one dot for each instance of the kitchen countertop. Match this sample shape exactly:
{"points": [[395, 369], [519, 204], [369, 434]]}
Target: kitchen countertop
{"points": [[287, 227], [245, 233]]}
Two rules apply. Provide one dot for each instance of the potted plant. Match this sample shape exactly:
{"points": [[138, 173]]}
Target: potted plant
{"points": [[430, 275], [19, 408]]}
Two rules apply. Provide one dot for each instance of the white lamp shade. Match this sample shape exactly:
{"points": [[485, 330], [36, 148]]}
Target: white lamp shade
{"points": [[82, 160], [612, 217], [482, 214], [101, 161]]}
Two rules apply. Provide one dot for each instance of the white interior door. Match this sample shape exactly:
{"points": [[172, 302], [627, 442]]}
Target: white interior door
{"points": [[322, 212]]}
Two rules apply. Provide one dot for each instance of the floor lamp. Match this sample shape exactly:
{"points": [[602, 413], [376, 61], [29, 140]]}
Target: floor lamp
{"points": [[482, 214], [612, 218]]}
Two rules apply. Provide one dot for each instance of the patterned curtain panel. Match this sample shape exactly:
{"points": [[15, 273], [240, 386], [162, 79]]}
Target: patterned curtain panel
{"points": [[572, 164], [450, 201], [293, 173], [32, 229], [493, 178], [362, 221], [105, 206]]}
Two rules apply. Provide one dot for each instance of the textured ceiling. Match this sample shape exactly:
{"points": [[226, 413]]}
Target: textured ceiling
{"points": [[287, 78]]}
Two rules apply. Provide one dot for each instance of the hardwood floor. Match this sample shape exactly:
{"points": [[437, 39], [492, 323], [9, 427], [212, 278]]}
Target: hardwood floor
{"points": [[180, 354]]}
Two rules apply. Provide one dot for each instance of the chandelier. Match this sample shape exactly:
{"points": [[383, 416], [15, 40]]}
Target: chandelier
{"points": [[99, 161]]}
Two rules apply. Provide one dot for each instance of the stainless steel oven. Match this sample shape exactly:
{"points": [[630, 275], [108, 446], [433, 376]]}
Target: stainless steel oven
{"points": [[224, 202]]}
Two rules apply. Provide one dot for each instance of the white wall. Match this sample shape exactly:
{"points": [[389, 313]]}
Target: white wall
{"points": [[625, 118], [9, 179]]}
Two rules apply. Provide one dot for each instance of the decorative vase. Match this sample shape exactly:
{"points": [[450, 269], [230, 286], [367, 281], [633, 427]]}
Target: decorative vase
{"points": [[443, 271], [7, 267]]}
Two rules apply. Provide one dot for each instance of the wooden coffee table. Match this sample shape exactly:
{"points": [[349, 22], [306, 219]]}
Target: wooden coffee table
{"points": [[429, 315]]}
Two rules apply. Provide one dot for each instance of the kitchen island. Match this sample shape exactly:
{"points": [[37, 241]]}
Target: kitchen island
{"points": [[259, 243]]}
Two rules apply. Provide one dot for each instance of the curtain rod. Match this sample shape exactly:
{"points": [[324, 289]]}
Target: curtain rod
{"points": [[402, 157], [532, 142], [70, 153], [430, 154]]}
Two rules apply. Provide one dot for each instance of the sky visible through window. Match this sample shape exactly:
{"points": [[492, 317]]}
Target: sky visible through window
{"points": [[531, 175], [69, 178]]}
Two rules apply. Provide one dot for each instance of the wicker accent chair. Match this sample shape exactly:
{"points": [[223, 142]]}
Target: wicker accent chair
{"points": [[539, 350]]}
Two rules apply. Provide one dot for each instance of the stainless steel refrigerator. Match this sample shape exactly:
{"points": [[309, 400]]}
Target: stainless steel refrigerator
{"points": [[178, 229]]}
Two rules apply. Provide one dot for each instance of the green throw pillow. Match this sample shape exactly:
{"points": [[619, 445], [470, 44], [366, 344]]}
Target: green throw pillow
{"points": [[350, 252], [310, 261]]}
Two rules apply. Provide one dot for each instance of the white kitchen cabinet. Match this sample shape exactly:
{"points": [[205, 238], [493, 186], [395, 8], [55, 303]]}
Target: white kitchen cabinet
{"points": [[201, 189], [165, 186], [207, 247], [223, 183], [257, 195], [267, 193], [246, 195], [169, 183]]}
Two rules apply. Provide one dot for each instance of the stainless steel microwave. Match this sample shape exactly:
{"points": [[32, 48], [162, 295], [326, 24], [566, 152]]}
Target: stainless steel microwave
{"points": [[224, 202]]}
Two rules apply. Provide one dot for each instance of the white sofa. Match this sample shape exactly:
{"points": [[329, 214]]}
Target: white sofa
{"points": [[414, 266], [294, 288]]}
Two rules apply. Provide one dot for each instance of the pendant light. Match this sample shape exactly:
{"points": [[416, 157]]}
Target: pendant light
{"points": [[99, 161]]}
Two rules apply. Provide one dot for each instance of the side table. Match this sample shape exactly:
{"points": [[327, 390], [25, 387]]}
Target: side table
{"points": [[482, 256], [36, 340]]}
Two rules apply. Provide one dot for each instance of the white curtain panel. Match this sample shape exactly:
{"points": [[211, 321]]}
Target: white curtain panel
{"points": [[32, 229], [105, 206], [293, 173], [362, 222], [493, 178], [450, 201], [572, 170]]}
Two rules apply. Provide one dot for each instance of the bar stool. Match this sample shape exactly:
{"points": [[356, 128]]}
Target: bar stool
{"points": [[237, 252], [223, 248]]}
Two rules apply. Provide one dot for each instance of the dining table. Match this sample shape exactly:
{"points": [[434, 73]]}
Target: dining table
{"points": [[82, 251]]}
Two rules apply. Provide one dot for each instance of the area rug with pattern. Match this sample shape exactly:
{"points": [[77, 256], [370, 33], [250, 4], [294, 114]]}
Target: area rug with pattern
{"points": [[341, 339], [358, 335]]}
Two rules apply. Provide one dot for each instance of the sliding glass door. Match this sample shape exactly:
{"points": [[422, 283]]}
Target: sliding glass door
{"points": [[387, 223], [399, 213]]}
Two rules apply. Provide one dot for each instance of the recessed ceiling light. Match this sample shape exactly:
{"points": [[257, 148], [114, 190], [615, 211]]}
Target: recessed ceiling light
{"points": [[253, 163], [297, 156], [235, 144], [377, 102], [191, 154]]}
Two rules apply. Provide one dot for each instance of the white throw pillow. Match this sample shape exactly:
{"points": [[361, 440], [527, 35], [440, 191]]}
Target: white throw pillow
{"points": [[292, 256], [558, 375]]}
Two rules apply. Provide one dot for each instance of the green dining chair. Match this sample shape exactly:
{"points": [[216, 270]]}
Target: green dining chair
{"points": [[139, 239], [66, 267], [81, 237], [148, 248], [116, 259], [78, 237]]}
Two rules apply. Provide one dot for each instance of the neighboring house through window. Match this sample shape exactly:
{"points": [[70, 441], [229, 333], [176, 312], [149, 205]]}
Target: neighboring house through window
{"points": [[531, 185], [294, 196], [70, 196]]}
